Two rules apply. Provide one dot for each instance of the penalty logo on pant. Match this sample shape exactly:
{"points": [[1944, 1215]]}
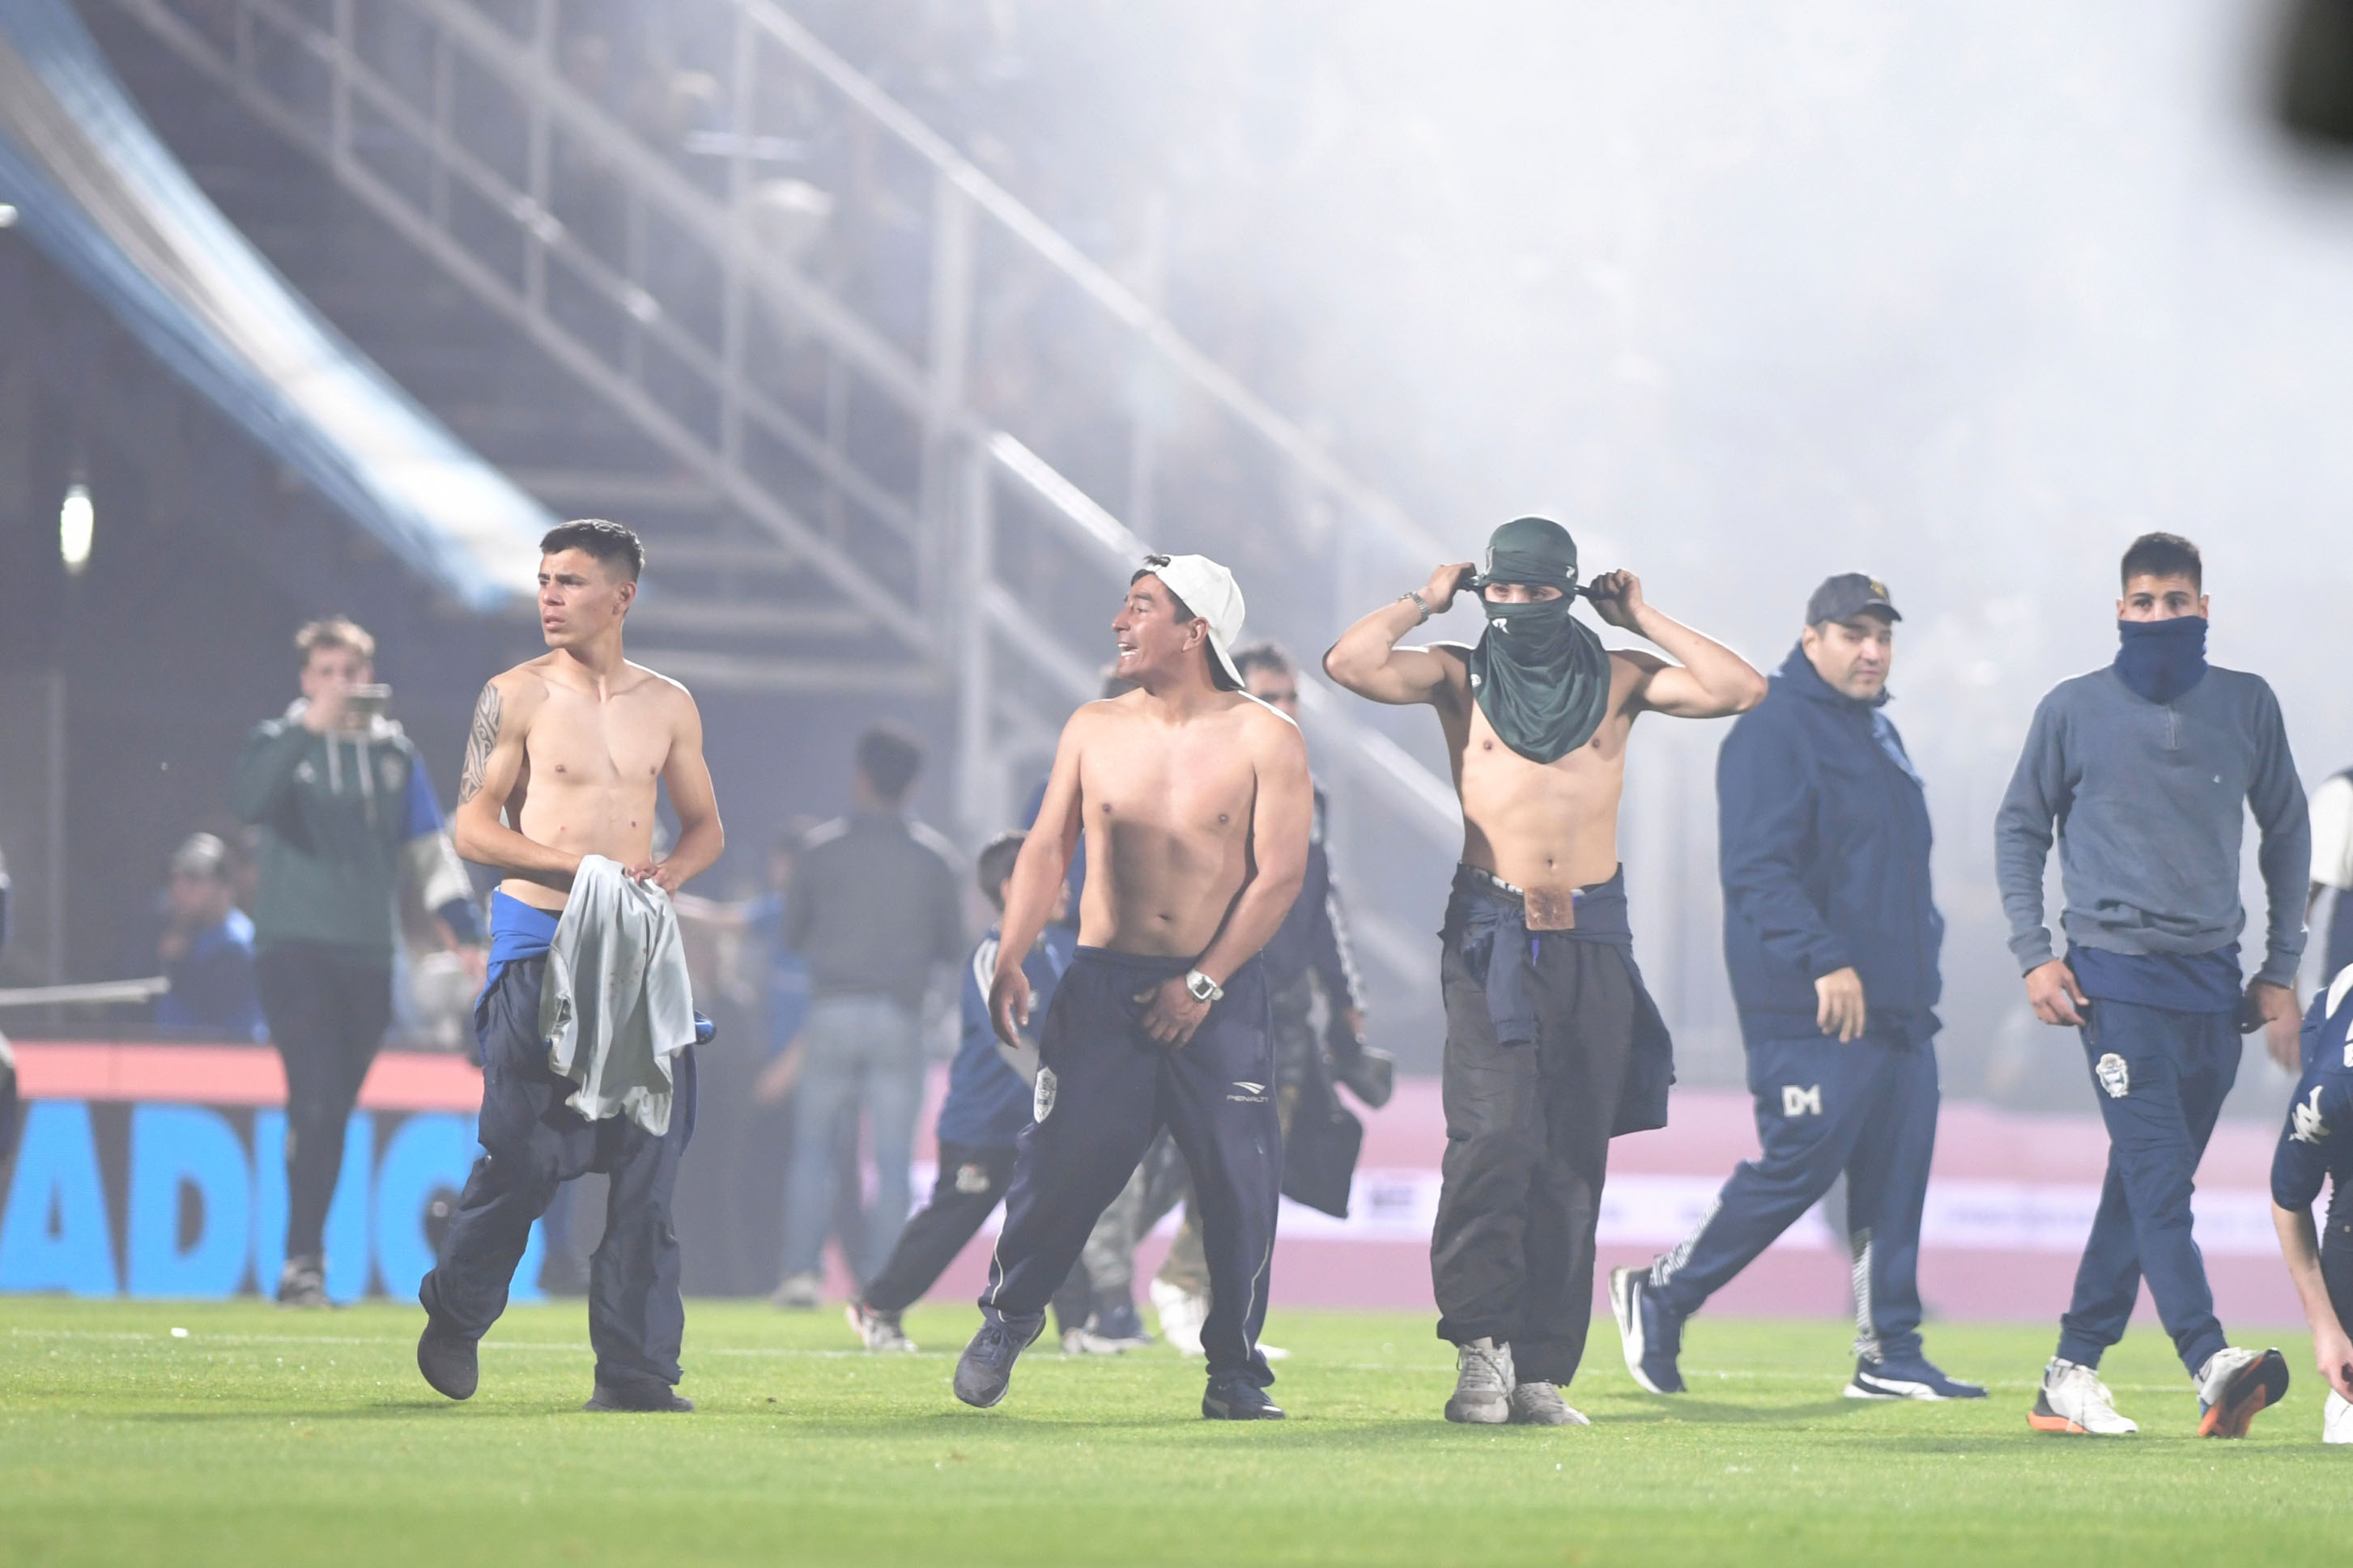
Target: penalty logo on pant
{"points": [[1042, 1099], [2115, 1078]]}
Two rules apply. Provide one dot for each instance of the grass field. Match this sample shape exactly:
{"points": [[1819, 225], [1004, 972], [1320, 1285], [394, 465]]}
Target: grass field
{"points": [[270, 1437]]}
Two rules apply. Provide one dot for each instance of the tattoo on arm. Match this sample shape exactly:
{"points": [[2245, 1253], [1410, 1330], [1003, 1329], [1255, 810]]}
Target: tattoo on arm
{"points": [[479, 741]]}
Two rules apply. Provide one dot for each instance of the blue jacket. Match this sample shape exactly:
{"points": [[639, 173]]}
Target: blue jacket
{"points": [[1822, 843], [988, 1104]]}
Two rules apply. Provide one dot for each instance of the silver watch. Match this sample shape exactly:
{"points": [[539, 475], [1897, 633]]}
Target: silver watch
{"points": [[1419, 602], [1202, 988]]}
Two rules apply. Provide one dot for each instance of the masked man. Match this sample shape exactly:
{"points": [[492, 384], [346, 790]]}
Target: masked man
{"points": [[1552, 1045]]}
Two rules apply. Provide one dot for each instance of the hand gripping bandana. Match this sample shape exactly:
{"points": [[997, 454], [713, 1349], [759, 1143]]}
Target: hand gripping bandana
{"points": [[1541, 676]]}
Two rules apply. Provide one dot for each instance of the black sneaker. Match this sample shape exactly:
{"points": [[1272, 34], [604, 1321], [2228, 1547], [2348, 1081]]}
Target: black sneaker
{"points": [[1235, 1397], [985, 1370], [649, 1396], [447, 1362], [303, 1282]]}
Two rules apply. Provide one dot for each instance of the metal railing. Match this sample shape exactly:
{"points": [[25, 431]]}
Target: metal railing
{"points": [[884, 489]]}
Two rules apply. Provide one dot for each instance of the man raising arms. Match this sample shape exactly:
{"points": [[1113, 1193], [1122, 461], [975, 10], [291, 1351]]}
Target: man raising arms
{"points": [[1552, 1045], [563, 771], [1194, 803]]}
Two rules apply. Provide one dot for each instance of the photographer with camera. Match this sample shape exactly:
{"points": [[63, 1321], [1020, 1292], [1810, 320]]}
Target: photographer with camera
{"points": [[346, 810]]}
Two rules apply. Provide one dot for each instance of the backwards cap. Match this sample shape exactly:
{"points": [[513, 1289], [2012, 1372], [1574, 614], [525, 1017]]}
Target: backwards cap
{"points": [[1209, 591]]}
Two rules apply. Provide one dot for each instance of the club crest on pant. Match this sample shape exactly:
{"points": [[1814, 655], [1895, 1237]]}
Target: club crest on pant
{"points": [[2115, 1078], [1042, 1102], [972, 1179], [1801, 1099]]}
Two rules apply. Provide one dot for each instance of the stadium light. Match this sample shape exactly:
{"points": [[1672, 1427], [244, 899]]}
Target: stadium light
{"points": [[77, 523], [7, 216]]}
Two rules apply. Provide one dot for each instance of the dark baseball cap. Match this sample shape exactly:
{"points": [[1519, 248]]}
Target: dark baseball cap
{"points": [[1847, 596]]}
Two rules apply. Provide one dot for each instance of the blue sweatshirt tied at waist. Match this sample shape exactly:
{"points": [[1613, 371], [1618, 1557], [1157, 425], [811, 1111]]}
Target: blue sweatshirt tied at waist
{"points": [[1488, 919]]}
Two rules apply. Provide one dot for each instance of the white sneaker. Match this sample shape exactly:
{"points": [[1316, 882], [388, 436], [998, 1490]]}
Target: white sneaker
{"points": [[2075, 1400], [877, 1331], [798, 1293], [2336, 1420], [2234, 1386], [1182, 1314], [1484, 1384]]}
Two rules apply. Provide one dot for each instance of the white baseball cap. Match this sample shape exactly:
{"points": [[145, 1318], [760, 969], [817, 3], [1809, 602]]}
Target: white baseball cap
{"points": [[1210, 592]]}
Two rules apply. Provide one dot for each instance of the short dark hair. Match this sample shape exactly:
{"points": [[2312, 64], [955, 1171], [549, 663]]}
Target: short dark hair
{"points": [[608, 542], [1268, 654], [889, 758], [995, 867], [2164, 555]]}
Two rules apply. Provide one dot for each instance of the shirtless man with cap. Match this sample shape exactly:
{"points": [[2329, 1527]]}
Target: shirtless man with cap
{"points": [[1194, 804], [1552, 1045]]}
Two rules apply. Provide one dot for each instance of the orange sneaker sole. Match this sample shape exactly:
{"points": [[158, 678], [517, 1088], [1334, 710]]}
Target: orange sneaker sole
{"points": [[2042, 1423]]}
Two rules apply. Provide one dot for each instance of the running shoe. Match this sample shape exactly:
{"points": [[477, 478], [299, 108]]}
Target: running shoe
{"points": [[1540, 1405], [1652, 1336], [1234, 1397], [798, 1293], [648, 1398], [2336, 1420], [877, 1331], [1907, 1377], [1118, 1323], [2075, 1401], [2234, 1386], [303, 1282], [1482, 1383], [985, 1370]]}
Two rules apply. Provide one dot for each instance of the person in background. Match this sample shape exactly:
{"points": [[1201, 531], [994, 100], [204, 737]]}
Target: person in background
{"points": [[207, 949], [2332, 869], [989, 1101], [346, 810], [875, 910]]}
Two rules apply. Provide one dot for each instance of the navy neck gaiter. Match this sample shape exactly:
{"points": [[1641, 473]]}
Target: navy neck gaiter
{"points": [[2160, 661]]}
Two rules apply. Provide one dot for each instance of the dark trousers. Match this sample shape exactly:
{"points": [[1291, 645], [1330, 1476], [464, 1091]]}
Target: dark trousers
{"points": [[2158, 1095], [1527, 1148], [1867, 1108], [2337, 1250], [327, 1009], [970, 1182], [1112, 1089], [534, 1143]]}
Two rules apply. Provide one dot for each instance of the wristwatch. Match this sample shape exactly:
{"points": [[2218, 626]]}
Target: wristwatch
{"points": [[1419, 602], [1202, 988]]}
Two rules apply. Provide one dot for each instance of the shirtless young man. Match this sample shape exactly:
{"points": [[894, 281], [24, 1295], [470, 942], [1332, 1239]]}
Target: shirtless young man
{"points": [[1552, 1045], [1195, 803], [570, 749]]}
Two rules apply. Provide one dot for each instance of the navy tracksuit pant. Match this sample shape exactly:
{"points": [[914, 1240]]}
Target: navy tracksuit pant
{"points": [[1104, 1089], [534, 1143], [2159, 1096], [1867, 1108]]}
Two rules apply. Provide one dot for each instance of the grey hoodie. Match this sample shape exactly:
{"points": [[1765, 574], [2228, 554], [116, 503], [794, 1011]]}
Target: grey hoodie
{"points": [[2148, 800]]}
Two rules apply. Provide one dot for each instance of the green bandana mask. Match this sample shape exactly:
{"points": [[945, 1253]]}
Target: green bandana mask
{"points": [[1541, 676]]}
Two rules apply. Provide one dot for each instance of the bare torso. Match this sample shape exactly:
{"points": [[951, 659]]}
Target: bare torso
{"points": [[1546, 827], [1167, 808], [592, 765]]}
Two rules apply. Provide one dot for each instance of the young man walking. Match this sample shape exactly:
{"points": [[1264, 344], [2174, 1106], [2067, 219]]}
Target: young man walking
{"points": [[987, 1105], [1831, 935], [587, 1027], [1194, 803], [345, 812], [2146, 769], [1552, 1045]]}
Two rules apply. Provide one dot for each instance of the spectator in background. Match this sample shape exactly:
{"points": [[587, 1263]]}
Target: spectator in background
{"points": [[345, 811], [206, 948], [876, 910], [2332, 867]]}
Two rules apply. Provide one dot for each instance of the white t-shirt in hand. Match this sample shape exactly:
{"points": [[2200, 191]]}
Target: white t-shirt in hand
{"points": [[2332, 833]]}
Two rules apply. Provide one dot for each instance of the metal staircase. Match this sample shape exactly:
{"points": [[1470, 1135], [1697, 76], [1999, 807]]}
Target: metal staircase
{"points": [[863, 399]]}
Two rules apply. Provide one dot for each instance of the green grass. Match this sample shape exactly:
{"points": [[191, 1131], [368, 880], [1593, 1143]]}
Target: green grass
{"points": [[265, 1437]]}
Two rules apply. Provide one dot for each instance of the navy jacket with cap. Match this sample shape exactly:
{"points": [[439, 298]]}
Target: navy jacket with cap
{"points": [[1822, 843]]}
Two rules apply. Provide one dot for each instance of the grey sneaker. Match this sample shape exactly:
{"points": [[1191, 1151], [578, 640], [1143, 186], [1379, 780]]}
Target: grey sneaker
{"points": [[1540, 1405], [303, 1282], [1482, 1388], [798, 1293]]}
